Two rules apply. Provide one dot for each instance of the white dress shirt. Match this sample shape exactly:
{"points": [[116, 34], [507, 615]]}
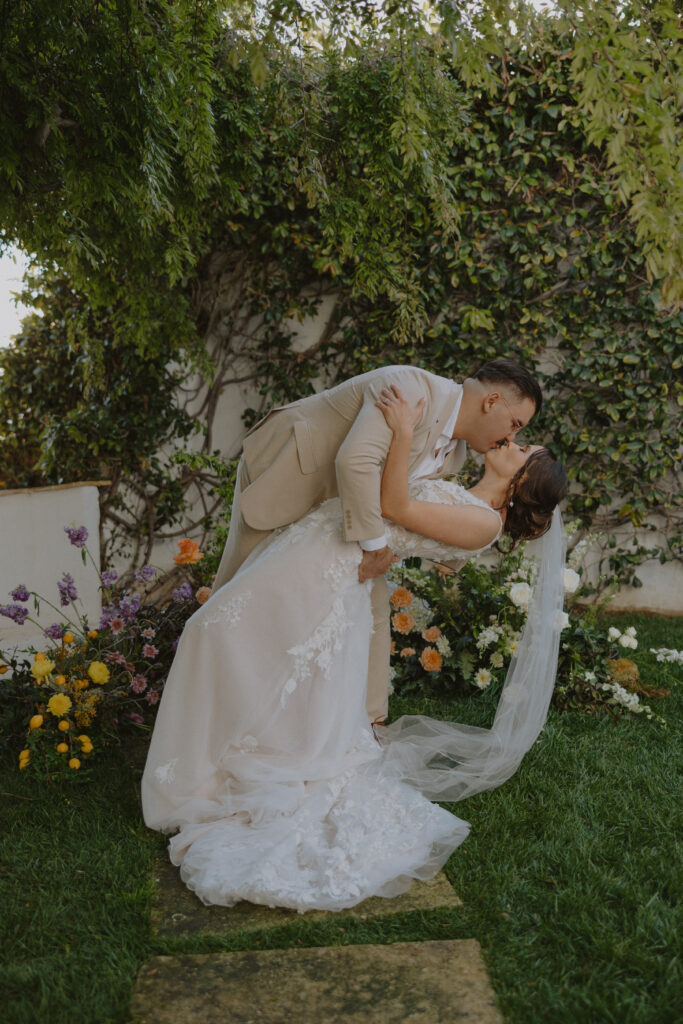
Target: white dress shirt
{"points": [[430, 464]]}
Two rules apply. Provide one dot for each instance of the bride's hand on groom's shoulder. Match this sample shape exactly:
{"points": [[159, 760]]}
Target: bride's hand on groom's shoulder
{"points": [[400, 415], [375, 563]]}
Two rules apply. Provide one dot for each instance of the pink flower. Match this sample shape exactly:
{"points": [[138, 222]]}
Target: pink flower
{"points": [[152, 697], [117, 624], [128, 665], [150, 651], [116, 657], [149, 633], [134, 717], [138, 683]]}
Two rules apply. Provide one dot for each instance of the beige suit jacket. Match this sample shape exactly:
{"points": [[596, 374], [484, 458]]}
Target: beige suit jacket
{"points": [[335, 443]]}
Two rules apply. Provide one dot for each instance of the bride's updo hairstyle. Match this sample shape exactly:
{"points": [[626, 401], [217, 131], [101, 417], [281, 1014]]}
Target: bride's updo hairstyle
{"points": [[532, 495]]}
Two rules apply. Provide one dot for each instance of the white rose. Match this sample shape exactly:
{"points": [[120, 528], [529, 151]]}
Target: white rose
{"points": [[520, 593], [630, 631], [571, 581], [613, 633]]}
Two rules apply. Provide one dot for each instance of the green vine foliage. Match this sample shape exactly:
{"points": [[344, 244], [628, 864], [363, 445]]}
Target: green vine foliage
{"points": [[491, 230]]}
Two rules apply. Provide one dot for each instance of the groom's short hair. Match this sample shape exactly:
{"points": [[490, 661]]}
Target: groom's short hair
{"points": [[507, 371]]}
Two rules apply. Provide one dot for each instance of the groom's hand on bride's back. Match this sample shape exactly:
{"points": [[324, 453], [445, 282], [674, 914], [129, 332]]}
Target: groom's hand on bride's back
{"points": [[375, 563]]}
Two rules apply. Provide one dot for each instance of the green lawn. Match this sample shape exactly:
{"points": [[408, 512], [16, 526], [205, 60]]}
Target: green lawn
{"points": [[571, 880]]}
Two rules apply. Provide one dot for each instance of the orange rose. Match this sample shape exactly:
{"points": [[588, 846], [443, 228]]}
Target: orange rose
{"points": [[431, 660], [189, 552], [403, 622], [432, 634], [203, 595], [392, 648], [407, 652], [401, 598]]}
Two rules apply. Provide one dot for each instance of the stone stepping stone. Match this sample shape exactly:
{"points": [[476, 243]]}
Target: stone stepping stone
{"points": [[407, 982], [176, 910]]}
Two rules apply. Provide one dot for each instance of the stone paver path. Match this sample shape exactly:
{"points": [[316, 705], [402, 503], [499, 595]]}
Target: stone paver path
{"points": [[404, 983], [177, 911]]}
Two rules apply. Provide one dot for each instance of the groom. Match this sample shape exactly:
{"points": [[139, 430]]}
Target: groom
{"points": [[335, 443]]}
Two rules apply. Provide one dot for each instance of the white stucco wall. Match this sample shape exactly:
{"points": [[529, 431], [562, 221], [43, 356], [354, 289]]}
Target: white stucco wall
{"points": [[35, 551]]}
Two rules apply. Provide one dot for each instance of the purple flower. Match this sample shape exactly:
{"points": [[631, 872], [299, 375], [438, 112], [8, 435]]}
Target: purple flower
{"points": [[129, 606], [55, 631], [182, 593], [20, 593], [152, 697], [175, 643], [77, 535], [150, 651], [14, 612], [109, 577], [67, 589], [138, 683], [145, 574]]}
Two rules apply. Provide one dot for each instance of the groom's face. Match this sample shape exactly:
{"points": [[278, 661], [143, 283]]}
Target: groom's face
{"points": [[503, 415]]}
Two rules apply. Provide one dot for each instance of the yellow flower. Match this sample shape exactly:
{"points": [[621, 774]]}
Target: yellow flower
{"points": [[62, 748], [24, 758], [83, 738], [92, 634], [58, 704], [98, 672], [64, 725], [3, 669], [74, 763], [35, 722], [39, 656], [42, 668], [86, 748], [60, 680], [68, 638]]}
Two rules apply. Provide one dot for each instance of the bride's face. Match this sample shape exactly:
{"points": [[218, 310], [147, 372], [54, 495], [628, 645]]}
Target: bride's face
{"points": [[505, 461]]}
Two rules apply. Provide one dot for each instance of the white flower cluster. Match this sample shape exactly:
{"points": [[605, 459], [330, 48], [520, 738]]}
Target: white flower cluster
{"points": [[626, 639], [443, 647], [667, 654], [399, 576], [422, 613], [489, 636], [628, 700]]}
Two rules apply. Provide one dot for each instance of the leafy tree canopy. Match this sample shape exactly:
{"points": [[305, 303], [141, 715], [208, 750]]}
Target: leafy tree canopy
{"points": [[122, 125]]}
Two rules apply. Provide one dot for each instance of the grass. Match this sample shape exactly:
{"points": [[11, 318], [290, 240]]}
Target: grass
{"points": [[571, 879]]}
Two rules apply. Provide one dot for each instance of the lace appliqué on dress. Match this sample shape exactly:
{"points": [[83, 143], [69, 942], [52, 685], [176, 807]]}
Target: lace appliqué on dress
{"points": [[166, 772], [228, 614], [319, 648]]}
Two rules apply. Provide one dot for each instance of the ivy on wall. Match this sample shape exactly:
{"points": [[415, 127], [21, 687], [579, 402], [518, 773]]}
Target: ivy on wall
{"points": [[513, 246]]}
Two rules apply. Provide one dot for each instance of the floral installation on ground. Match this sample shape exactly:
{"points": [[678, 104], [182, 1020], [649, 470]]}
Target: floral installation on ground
{"points": [[89, 682]]}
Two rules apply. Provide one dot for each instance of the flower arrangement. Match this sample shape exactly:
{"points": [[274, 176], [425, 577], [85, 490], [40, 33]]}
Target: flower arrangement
{"points": [[457, 634], [93, 682]]}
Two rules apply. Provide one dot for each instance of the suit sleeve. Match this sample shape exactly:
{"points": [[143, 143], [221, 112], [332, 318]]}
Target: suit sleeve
{"points": [[361, 459]]}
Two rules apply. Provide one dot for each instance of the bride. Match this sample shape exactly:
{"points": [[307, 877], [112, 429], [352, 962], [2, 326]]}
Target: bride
{"points": [[262, 759]]}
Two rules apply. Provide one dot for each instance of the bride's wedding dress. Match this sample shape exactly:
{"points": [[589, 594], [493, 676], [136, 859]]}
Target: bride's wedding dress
{"points": [[262, 755]]}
